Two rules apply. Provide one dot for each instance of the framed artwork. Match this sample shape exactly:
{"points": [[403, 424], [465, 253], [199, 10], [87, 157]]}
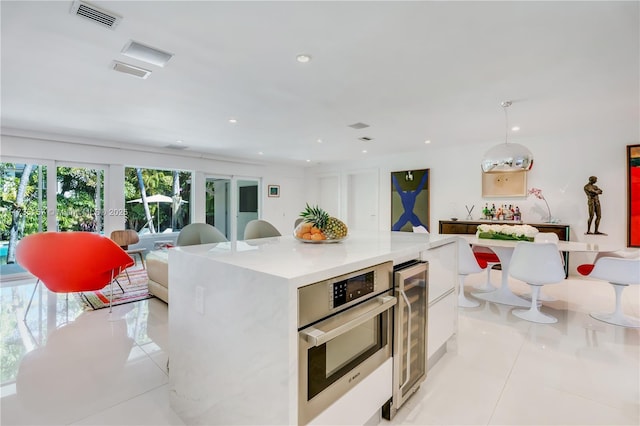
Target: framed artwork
{"points": [[633, 195], [273, 190], [510, 184], [410, 200]]}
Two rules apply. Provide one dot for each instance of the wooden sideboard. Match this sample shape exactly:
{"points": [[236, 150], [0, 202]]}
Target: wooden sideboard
{"points": [[470, 227]]}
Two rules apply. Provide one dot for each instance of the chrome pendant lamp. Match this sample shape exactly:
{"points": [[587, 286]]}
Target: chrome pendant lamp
{"points": [[507, 157]]}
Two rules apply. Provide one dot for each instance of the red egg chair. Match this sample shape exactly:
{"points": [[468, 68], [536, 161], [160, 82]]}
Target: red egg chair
{"points": [[70, 262]]}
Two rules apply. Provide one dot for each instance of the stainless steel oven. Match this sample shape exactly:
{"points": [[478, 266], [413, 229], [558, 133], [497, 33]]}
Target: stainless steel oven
{"points": [[344, 334]]}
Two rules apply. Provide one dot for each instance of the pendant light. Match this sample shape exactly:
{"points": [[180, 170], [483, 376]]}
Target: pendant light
{"points": [[507, 157]]}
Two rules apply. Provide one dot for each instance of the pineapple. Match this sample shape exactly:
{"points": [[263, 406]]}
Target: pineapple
{"points": [[330, 227]]}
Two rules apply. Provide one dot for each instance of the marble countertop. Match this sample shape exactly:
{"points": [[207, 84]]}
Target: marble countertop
{"points": [[302, 263]]}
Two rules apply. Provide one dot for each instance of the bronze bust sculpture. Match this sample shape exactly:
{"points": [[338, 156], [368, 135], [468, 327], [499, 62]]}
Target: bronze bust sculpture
{"points": [[593, 200]]}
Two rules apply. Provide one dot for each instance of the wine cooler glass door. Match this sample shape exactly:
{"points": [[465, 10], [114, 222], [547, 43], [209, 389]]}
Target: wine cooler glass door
{"points": [[411, 331]]}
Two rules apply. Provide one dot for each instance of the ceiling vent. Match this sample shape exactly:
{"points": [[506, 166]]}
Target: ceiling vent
{"points": [[175, 146], [365, 139], [131, 70], [101, 16], [147, 54], [358, 126]]}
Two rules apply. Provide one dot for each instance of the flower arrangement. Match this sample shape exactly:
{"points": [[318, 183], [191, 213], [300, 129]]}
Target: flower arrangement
{"points": [[537, 192], [507, 232]]}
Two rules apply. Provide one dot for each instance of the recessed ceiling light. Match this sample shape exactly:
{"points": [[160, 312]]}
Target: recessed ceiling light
{"points": [[308, 161], [178, 141], [364, 151], [303, 58], [319, 140], [261, 153], [144, 53], [427, 141], [515, 128], [233, 120]]}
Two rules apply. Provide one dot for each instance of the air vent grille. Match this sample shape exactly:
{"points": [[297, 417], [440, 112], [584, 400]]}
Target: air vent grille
{"points": [[100, 16], [358, 125], [365, 139], [131, 70]]}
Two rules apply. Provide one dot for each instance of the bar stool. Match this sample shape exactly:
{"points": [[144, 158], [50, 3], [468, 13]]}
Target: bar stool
{"points": [[620, 272]]}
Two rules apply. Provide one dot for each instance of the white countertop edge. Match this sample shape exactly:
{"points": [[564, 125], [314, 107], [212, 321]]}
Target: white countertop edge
{"points": [[354, 253]]}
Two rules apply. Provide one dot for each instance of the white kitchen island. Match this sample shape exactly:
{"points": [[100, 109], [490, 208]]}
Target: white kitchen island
{"points": [[233, 318]]}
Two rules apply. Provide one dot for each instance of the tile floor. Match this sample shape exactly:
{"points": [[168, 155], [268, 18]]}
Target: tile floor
{"points": [[72, 367]]}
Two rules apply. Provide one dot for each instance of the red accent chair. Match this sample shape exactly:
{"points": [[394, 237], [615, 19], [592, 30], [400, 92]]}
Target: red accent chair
{"points": [[69, 262]]}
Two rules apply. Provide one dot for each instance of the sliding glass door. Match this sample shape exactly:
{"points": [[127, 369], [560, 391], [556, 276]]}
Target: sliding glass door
{"points": [[80, 197], [24, 206], [248, 203], [218, 203]]}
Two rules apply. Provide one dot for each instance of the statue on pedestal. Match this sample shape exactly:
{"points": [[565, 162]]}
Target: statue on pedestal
{"points": [[593, 201]]}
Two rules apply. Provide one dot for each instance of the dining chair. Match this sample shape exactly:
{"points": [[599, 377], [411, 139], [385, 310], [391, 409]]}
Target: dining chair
{"points": [[491, 258], [537, 264], [420, 229], [199, 233], [467, 264], [126, 237], [545, 237], [620, 272], [71, 262], [260, 229]]}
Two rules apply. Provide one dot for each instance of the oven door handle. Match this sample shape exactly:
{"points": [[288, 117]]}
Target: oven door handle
{"points": [[317, 337]]}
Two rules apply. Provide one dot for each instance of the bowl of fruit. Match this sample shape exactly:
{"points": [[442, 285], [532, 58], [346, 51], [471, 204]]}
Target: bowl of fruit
{"points": [[319, 227]]}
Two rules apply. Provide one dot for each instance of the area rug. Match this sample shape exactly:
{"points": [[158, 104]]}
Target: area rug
{"points": [[133, 292]]}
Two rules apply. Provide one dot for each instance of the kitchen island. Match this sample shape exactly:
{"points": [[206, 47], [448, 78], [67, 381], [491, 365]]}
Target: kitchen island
{"points": [[233, 318]]}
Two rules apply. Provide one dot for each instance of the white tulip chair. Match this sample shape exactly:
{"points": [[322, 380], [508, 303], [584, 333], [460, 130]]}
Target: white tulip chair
{"points": [[546, 237], [537, 264], [620, 272], [467, 264], [489, 256]]}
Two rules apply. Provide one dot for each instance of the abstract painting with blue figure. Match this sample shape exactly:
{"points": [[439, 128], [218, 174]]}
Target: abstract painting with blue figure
{"points": [[409, 200]]}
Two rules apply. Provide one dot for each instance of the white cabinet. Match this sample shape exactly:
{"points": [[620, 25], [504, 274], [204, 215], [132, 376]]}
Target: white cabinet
{"points": [[443, 309]]}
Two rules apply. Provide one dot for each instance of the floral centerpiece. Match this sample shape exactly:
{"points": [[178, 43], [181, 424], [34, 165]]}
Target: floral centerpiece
{"points": [[507, 232]]}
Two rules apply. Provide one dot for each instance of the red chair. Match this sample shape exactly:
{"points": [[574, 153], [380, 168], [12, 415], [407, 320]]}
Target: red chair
{"points": [[69, 262]]}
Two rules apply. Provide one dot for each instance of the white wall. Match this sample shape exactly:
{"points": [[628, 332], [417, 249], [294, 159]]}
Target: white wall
{"points": [[281, 211], [561, 168]]}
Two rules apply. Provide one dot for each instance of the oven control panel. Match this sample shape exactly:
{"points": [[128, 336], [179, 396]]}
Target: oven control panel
{"points": [[352, 288], [324, 298]]}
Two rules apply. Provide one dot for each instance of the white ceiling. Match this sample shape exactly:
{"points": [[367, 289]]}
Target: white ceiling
{"points": [[411, 70]]}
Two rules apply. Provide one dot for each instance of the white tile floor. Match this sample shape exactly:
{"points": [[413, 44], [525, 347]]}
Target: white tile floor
{"points": [[92, 368]]}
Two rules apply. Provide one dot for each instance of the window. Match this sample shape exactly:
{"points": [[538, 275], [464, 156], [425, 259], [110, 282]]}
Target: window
{"points": [[167, 194]]}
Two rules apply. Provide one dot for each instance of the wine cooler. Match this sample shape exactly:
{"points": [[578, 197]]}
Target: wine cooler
{"points": [[410, 333]]}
